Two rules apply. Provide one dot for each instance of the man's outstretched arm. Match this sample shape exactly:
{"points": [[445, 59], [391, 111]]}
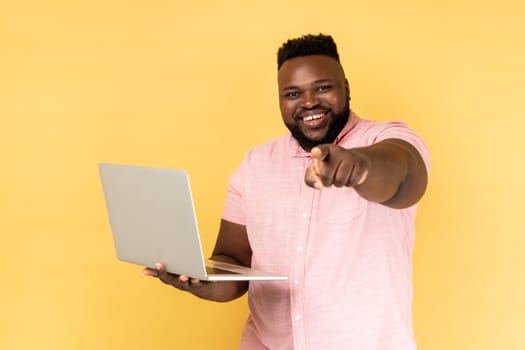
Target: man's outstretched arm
{"points": [[390, 172]]}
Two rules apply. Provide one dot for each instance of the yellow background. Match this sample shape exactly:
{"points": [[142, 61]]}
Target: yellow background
{"points": [[193, 85]]}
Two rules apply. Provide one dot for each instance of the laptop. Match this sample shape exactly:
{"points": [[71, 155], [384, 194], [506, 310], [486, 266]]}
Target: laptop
{"points": [[152, 219]]}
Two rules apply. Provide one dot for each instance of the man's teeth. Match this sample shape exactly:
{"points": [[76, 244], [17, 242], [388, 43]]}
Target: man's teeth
{"points": [[313, 117]]}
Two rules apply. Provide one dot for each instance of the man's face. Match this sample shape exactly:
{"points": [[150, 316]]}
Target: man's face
{"points": [[314, 99]]}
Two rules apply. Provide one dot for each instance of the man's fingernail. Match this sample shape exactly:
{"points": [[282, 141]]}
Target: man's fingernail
{"points": [[157, 266], [318, 185], [363, 178]]}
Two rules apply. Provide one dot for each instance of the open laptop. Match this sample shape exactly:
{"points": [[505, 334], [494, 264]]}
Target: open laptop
{"points": [[153, 220]]}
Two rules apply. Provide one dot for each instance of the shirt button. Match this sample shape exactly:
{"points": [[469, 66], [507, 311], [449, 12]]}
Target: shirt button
{"points": [[298, 317], [299, 248], [305, 215], [296, 282]]}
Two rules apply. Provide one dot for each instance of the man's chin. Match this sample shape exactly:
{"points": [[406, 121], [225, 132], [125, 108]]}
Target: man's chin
{"points": [[312, 138], [315, 136], [307, 143]]}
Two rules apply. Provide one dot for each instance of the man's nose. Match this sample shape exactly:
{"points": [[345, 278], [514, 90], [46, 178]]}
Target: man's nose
{"points": [[309, 100]]}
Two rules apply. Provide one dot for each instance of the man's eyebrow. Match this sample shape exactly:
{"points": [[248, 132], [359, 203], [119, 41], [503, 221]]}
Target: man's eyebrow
{"points": [[321, 81], [316, 82]]}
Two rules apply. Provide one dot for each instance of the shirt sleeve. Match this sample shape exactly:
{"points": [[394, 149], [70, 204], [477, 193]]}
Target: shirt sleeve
{"points": [[400, 130]]}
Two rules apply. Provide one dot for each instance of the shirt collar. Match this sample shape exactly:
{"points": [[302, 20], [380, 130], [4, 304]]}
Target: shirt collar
{"points": [[297, 151]]}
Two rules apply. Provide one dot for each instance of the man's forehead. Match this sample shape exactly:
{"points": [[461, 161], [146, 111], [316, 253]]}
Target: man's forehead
{"points": [[309, 69]]}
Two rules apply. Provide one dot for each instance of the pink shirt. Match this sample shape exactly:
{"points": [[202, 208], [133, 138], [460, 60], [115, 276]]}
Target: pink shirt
{"points": [[349, 261]]}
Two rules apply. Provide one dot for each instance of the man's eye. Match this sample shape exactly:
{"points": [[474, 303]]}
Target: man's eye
{"points": [[323, 88], [292, 94]]}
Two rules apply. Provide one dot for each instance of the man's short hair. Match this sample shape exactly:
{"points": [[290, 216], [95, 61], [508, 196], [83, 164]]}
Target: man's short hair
{"points": [[305, 46]]}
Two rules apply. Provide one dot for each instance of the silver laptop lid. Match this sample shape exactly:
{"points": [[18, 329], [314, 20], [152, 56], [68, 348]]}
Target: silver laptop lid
{"points": [[152, 217]]}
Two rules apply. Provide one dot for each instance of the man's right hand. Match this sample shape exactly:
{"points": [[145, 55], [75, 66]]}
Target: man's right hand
{"points": [[178, 281]]}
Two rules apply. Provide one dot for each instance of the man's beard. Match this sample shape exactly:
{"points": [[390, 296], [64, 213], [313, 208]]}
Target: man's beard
{"points": [[339, 121]]}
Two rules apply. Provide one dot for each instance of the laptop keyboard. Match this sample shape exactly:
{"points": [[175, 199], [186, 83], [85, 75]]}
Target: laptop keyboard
{"points": [[216, 271]]}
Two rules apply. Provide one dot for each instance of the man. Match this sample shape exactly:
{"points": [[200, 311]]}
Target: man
{"points": [[331, 205]]}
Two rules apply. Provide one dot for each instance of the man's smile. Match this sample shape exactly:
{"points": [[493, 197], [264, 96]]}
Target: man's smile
{"points": [[312, 119]]}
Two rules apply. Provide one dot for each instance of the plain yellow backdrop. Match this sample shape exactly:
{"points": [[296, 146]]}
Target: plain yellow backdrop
{"points": [[193, 85]]}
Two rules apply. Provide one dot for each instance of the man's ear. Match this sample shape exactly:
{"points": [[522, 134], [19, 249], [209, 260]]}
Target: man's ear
{"points": [[347, 89]]}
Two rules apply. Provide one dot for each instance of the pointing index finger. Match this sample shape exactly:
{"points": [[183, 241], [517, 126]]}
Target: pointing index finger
{"points": [[312, 177]]}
